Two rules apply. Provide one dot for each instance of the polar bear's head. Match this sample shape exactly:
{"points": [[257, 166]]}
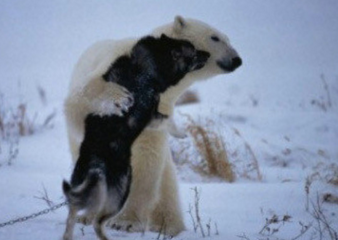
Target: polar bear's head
{"points": [[223, 57]]}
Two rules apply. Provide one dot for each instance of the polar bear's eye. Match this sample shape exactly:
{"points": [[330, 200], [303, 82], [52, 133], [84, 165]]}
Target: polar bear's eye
{"points": [[215, 38]]}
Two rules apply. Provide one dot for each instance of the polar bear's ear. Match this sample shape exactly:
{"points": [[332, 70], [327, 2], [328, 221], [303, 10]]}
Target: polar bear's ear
{"points": [[179, 24]]}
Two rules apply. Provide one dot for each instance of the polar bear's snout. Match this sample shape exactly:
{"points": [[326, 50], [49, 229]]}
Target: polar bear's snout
{"points": [[236, 62], [229, 65]]}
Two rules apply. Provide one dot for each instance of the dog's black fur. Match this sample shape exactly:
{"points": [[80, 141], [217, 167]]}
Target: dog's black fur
{"points": [[101, 179]]}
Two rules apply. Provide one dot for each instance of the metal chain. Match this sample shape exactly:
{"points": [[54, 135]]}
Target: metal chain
{"points": [[34, 215]]}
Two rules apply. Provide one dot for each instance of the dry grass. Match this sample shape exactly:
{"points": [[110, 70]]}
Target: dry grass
{"points": [[195, 216], [324, 102], [251, 169], [212, 148], [273, 224], [206, 152], [323, 228], [332, 174], [16, 122], [327, 173], [16, 119], [44, 196], [330, 198]]}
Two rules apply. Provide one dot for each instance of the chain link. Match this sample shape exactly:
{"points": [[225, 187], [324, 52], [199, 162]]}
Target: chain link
{"points": [[34, 215]]}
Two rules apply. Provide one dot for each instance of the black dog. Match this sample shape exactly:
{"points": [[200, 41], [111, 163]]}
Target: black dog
{"points": [[101, 179]]}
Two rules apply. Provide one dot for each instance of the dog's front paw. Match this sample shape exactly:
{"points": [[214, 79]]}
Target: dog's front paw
{"points": [[86, 220]]}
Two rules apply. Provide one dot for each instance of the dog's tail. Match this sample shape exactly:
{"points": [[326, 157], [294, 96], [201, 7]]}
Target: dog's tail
{"points": [[90, 194]]}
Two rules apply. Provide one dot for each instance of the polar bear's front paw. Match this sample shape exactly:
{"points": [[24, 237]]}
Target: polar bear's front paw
{"points": [[167, 229], [123, 102], [117, 101], [128, 226]]}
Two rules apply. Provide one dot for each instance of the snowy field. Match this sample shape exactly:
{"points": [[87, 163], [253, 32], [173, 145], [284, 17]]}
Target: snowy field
{"points": [[277, 115]]}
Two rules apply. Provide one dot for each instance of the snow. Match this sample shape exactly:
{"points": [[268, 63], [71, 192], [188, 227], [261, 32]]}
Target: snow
{"points": [[274, 102]]}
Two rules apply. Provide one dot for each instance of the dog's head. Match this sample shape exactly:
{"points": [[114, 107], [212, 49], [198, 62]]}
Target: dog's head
{"points": [[168, 59]]}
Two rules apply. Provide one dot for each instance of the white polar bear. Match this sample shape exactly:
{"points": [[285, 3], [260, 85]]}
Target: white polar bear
{"points": [[153, 202]]}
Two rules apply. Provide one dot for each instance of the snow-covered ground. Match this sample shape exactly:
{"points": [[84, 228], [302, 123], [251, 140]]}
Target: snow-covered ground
{"points": [[277, 101]]}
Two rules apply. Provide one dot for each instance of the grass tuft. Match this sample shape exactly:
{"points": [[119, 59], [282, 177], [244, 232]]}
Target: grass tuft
{"points": [[16, 122], [213, 150]]}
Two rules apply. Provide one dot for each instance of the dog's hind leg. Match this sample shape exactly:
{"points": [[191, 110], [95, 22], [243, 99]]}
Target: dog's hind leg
{"points": [[71, 220], [99, 225]]}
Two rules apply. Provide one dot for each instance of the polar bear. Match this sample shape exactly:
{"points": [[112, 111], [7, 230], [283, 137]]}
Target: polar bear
{"points": [[153, 203]]}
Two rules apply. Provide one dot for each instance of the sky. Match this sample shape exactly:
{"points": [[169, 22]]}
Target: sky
{"points": [[285, 45]]}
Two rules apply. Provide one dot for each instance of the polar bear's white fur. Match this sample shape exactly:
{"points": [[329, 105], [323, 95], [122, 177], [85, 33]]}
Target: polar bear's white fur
{"points": [[153, 202]]}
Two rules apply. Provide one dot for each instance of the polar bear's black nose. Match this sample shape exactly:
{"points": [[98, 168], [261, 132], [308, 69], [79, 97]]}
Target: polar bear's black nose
{"points": [[229, 64], [236, 62]]}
